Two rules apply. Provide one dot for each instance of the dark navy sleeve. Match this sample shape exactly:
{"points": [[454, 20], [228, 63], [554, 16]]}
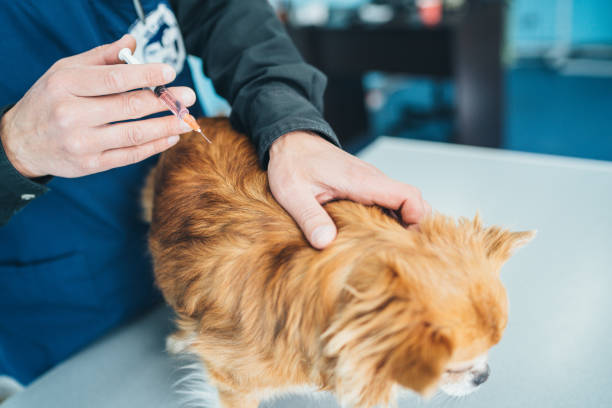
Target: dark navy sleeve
{"points": [[254, 65], [16, 190]]}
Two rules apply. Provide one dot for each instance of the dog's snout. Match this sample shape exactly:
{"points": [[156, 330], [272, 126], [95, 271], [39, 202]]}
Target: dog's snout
{"points": [[481, 377]]}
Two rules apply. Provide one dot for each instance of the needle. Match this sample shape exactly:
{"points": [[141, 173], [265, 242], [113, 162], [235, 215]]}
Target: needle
{"points": [[203, 135], [190, 120]]}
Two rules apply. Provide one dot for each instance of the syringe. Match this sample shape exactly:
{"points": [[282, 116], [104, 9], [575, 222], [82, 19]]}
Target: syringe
{"points": [[175, 106]]}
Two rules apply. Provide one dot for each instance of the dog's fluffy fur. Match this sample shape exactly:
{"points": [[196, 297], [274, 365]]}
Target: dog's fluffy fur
{"points": [[382, 306]]}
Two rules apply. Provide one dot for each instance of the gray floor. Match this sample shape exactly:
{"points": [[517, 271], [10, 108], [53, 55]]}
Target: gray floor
{"points": [[556, 350]]}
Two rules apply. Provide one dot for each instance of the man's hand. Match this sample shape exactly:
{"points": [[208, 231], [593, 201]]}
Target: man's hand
{"points": [[65, 125], [306, 171]]}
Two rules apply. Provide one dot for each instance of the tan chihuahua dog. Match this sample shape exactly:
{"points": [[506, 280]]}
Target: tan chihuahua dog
{"points": [[383, 307]]}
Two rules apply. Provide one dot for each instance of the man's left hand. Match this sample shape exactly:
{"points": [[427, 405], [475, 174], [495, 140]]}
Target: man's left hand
{"points": [[306, 171]]}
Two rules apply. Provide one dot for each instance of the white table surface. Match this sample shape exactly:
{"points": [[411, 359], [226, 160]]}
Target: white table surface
{"points": [[557, 349]]}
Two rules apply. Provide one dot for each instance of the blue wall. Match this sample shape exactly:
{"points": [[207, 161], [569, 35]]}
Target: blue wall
{"points": [[532, 23], [592, 21]]}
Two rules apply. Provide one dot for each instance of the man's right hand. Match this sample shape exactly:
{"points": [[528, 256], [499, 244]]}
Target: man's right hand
{"points": [[65, 125]]}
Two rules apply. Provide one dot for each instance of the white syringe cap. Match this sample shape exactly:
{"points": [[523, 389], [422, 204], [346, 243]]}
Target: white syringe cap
{"points": [[126, 56]]}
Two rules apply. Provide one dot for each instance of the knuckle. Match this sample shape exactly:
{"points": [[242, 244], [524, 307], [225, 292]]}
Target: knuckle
{"points": [[170, 128], [55, 80], [62, 116], [132, 105], [133, 135], [153, 76], [113, 80], [88, 164], [310, 217], [73, 145], [133, 156]]}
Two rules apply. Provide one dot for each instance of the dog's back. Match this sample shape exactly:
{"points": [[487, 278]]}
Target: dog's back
{"points": [[211, 207]]}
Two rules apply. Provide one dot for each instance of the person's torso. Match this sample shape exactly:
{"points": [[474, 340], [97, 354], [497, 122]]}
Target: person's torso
{"points": [[73, 263]]}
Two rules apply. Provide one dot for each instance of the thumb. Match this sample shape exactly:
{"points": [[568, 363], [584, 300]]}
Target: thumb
{"points": [[315, 223], [106, 54]]}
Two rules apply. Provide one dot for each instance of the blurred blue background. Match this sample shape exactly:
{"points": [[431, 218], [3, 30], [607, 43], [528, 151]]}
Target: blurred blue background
{"points": [[562, 107], [557, 77]]}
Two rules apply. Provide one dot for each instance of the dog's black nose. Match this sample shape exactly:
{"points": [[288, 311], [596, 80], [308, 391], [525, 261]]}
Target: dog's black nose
{"points": [[481, 377]]}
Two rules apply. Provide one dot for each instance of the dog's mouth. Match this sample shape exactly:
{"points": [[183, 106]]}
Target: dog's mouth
{"points": [[459, 371], [460, 382]]}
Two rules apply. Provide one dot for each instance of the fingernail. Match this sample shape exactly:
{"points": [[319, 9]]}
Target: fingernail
{"points": [[190, 97], [169, 73], [172, 140], [322, 236]]}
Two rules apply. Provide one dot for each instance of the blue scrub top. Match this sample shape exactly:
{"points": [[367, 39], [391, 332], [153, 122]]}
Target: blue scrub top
{"points": [[73, 263]]}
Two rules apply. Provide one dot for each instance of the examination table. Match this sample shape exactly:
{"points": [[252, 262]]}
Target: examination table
{"points": [[557, 348]]}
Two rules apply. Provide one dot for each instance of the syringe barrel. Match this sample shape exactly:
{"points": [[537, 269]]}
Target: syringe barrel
{"points": [[176, 106]]}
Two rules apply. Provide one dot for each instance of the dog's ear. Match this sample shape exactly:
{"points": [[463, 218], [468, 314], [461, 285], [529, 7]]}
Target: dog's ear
{"points": [[501, 244], [420, 361]]}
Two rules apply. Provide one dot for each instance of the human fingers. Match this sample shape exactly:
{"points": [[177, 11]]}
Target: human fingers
{"points": [[377, 188], [130, 155], [95, 80], [405, 198], [135, 133], [311, 217], [100, 110]]}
